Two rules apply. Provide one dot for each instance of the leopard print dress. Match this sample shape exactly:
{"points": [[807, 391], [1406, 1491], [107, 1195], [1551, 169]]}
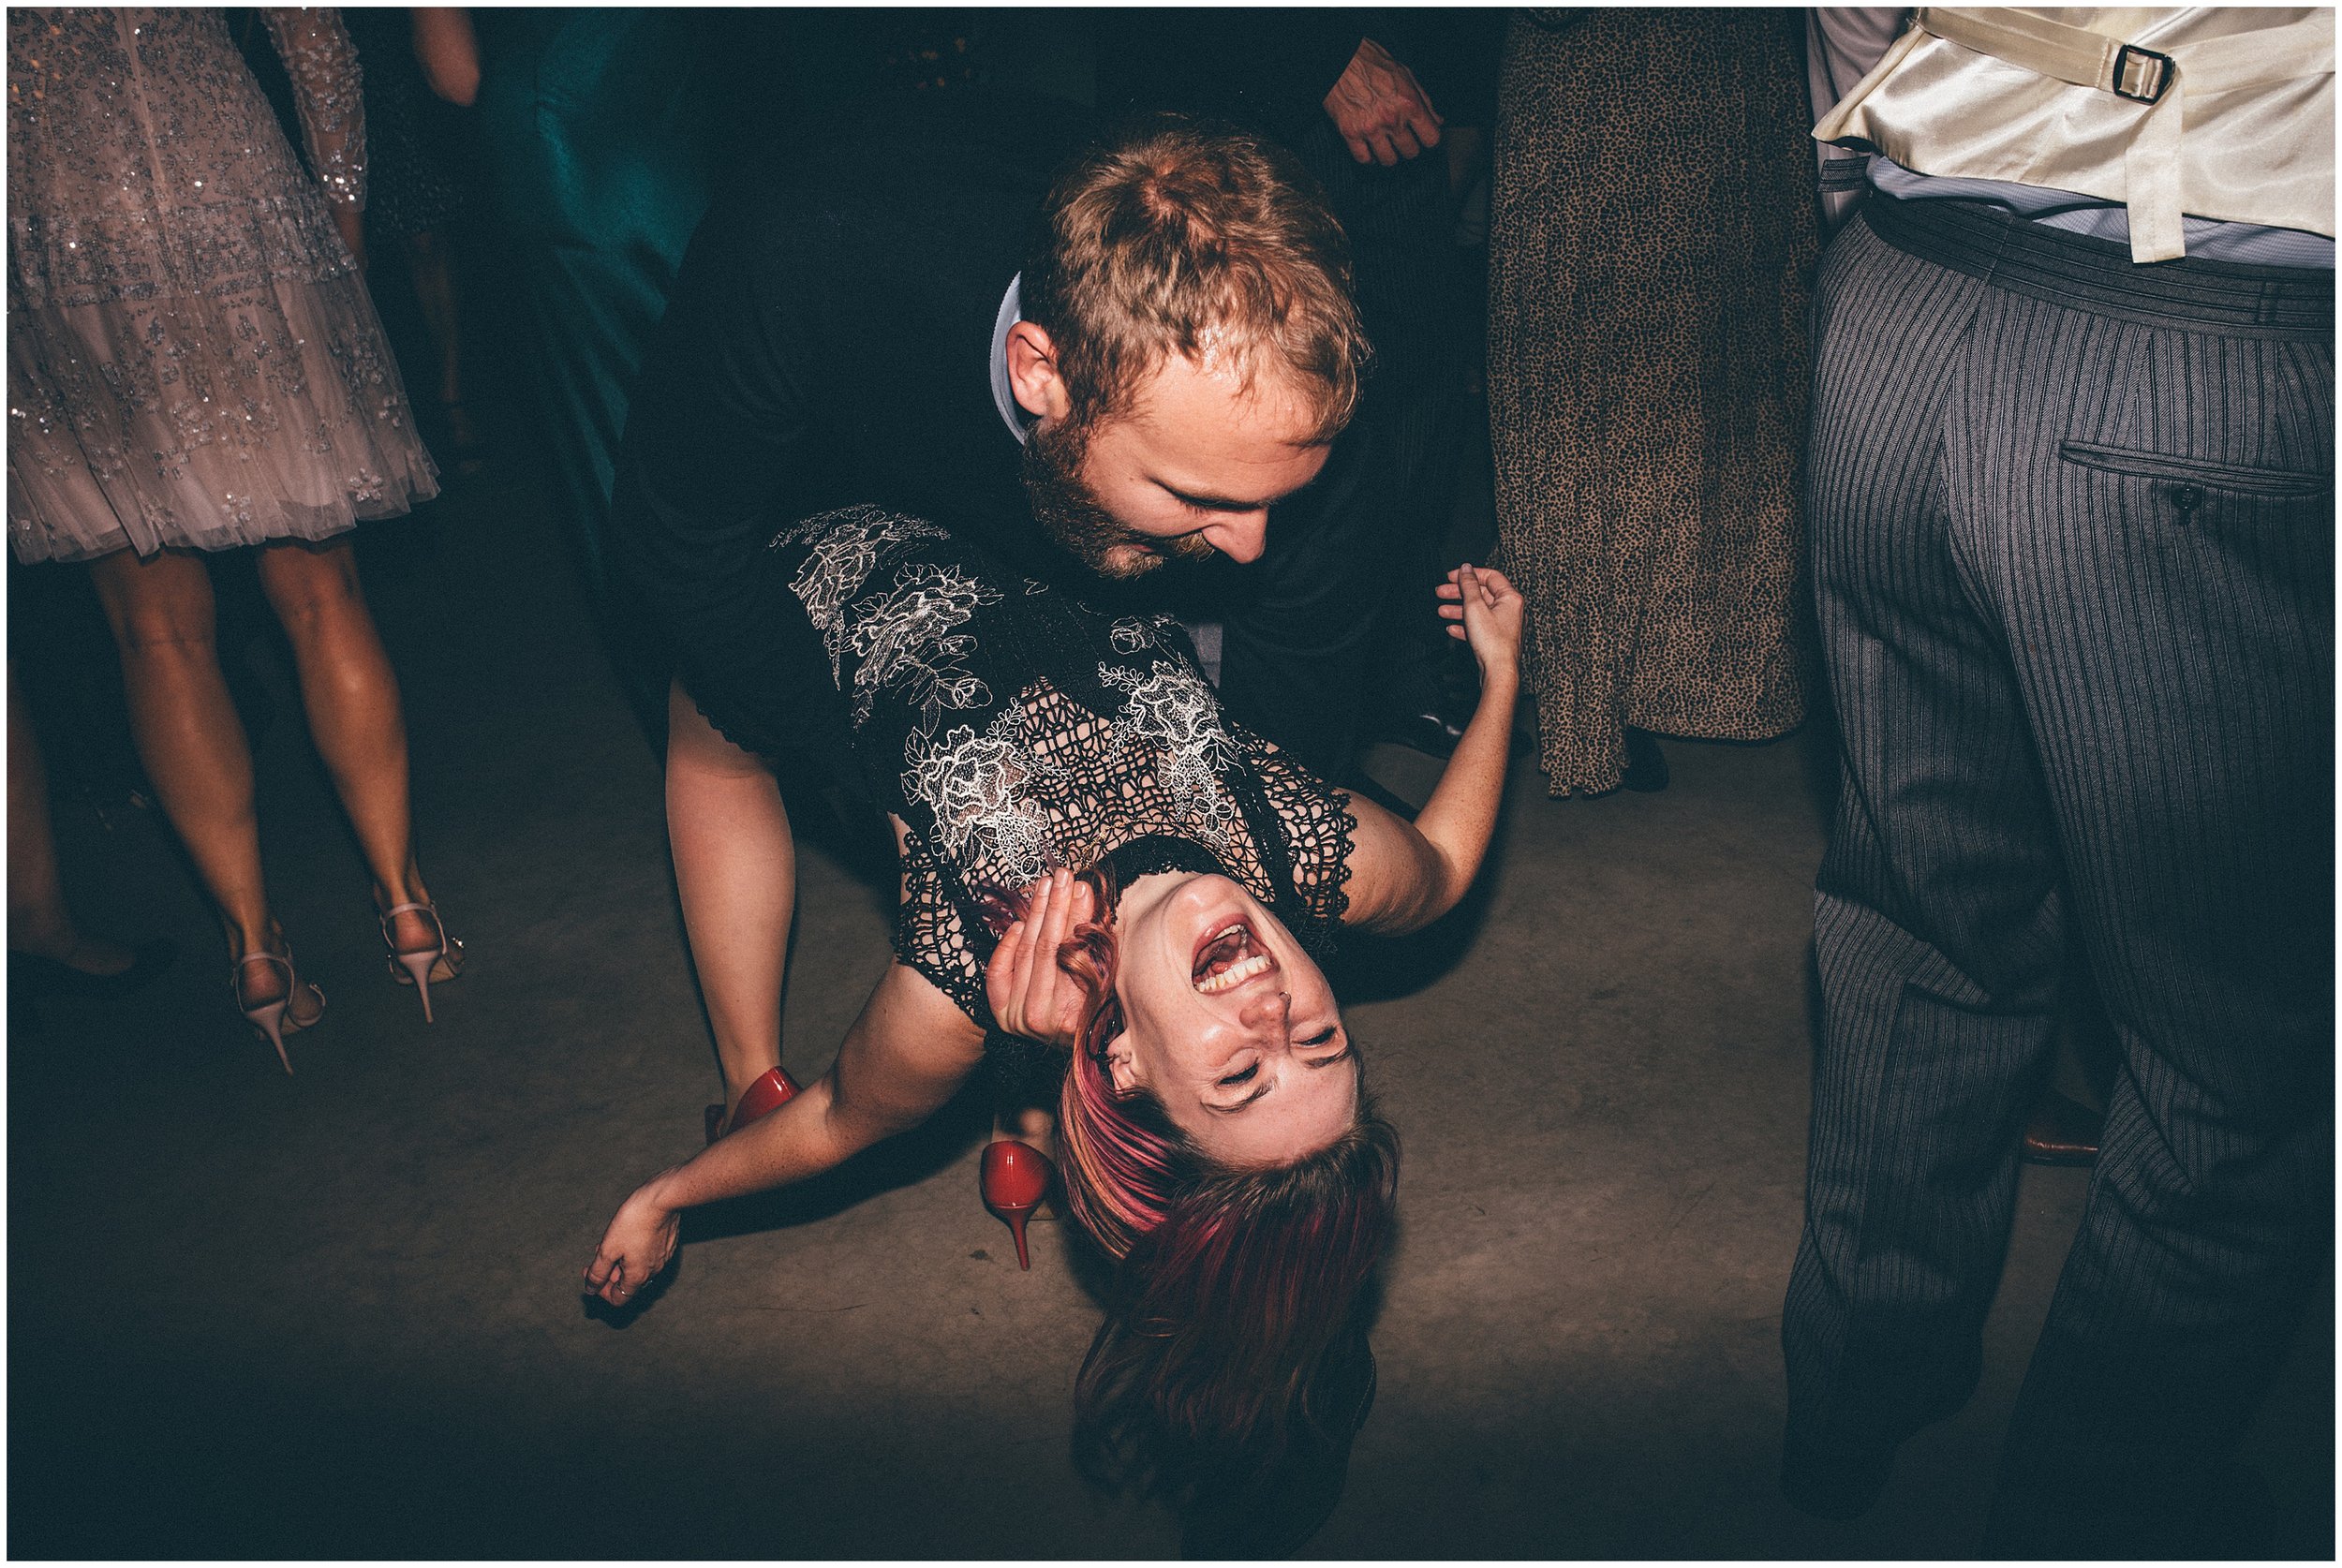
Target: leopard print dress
{"points": [[1652, 238]]}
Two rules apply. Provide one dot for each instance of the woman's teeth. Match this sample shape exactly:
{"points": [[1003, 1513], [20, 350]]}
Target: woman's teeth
{"points": [[1236, 975], [1229, 959]]}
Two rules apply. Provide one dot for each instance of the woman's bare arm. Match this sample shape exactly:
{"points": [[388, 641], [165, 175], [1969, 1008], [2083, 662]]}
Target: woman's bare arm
{"points": [[448, 52], [907, 1053], [1405, 875]]}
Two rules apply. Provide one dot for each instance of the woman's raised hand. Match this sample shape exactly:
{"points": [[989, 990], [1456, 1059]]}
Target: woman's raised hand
{"points": [[1029, 995], [1483, 609], [640, 1240]]}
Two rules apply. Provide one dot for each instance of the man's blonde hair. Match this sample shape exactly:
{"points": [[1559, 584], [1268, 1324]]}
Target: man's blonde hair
{"points": [[1181, 237]]}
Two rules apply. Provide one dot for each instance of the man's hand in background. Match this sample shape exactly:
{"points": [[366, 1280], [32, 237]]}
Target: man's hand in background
{"points": [[1380, 109]]}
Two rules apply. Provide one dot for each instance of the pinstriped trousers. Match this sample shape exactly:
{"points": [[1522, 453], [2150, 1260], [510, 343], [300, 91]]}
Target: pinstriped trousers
{"points": [[2073, 550]]}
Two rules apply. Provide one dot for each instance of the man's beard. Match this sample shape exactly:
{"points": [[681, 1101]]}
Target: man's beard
{"points": [[1069, 512]]}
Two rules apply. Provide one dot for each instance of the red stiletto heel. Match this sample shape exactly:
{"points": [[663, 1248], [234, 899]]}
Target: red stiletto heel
{"points": [[1014, 1180], [765, 1095]]}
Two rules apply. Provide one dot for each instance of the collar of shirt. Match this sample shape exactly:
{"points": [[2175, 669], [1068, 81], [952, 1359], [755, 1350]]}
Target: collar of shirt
{"points": [[1020, 422]]}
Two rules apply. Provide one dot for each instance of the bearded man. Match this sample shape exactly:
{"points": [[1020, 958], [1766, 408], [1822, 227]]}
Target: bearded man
{"points": [[1092, 378]]}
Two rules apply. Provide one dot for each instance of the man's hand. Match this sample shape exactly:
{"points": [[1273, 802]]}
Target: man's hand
{"points": [[1029, 995], [1380, 109]]}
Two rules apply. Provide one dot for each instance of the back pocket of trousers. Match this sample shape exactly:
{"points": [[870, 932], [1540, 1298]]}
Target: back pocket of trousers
{"points": [[2233, 478]]}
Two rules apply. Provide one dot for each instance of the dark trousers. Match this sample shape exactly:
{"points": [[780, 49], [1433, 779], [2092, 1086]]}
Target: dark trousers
{"points": [[595, 123], [2073, 550], [1343, 596]]}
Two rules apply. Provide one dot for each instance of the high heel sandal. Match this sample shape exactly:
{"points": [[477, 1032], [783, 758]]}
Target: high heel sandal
{"points": [[419, 966], [762, 1098], [275, 1019], [1013, 1178]]}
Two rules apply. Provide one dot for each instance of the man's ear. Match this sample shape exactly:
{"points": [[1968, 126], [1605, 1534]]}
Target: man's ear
{"points": [[1120, 1070], [1032, 373]]}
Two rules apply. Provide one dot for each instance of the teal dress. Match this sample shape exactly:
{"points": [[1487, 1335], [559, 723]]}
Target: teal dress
{"points": [[597, 125]]}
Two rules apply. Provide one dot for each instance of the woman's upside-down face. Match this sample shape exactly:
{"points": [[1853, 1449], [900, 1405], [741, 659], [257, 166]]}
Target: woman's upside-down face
{"points": [[1229, 1023]]}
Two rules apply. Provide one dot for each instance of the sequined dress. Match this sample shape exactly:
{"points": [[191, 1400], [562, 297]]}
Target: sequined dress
{"points": [[1015, 730], [192, 360]]}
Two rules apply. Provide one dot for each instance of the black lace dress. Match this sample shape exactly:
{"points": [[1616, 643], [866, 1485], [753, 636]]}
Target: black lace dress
{"points": [[1015, 730]]}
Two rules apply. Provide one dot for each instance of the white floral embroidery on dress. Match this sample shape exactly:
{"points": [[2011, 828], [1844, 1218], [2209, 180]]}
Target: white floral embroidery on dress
{"points": [[905, 634], [1173, 712], [973, 784], [847, 546], [1137, 633]]}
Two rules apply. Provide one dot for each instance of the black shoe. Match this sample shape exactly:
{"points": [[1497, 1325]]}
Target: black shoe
{"points": [[1646, 764], [1843, 1481], [1432, 732], [1427, 702], [37, 976], [1843, 1484]]}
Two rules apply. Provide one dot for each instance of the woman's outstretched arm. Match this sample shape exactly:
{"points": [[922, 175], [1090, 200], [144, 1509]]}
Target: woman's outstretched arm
{"points": [[902, 1059], [1405, 875]]}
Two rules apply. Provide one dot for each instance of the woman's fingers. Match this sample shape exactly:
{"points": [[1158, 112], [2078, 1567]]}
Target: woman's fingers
{"points": [[1450, 608], [1495, 584], [1029, 992], [1000, 972], [1021, 981], [1041, 960], [1046, 976]]}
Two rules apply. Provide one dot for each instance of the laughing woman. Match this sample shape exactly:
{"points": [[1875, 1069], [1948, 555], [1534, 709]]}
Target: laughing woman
{"points": [[1095, 858]]}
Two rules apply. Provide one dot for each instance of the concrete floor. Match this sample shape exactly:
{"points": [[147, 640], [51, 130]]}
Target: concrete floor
{"points": [[336, 1314]]}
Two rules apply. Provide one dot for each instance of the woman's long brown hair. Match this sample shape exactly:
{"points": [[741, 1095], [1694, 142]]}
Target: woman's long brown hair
{"points": [[1235, 1336]]}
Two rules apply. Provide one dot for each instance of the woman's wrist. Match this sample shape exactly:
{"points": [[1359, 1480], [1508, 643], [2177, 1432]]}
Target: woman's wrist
{"points": [[660, 1192]]}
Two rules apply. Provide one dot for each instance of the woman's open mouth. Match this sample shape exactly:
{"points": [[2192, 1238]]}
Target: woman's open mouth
{"points": [[1229, 958]]}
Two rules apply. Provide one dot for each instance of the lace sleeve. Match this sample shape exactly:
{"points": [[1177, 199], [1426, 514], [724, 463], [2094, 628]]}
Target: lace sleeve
{"points": [[323, 66], [930, 936], [1315, 821]]}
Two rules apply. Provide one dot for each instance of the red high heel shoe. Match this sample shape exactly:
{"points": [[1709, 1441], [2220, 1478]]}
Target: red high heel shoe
{"points": [[1014, 1180], [767, 1095]]}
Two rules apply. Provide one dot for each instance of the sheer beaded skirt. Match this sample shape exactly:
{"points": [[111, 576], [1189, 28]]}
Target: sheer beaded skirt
{"points": [[205, 423], [193, 359]]}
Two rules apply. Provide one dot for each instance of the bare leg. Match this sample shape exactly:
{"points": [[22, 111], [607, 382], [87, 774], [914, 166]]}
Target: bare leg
{"points": [[735, 869], [351, 699], [193, 746], [434, 273], [435, 293], [38, 920]]}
